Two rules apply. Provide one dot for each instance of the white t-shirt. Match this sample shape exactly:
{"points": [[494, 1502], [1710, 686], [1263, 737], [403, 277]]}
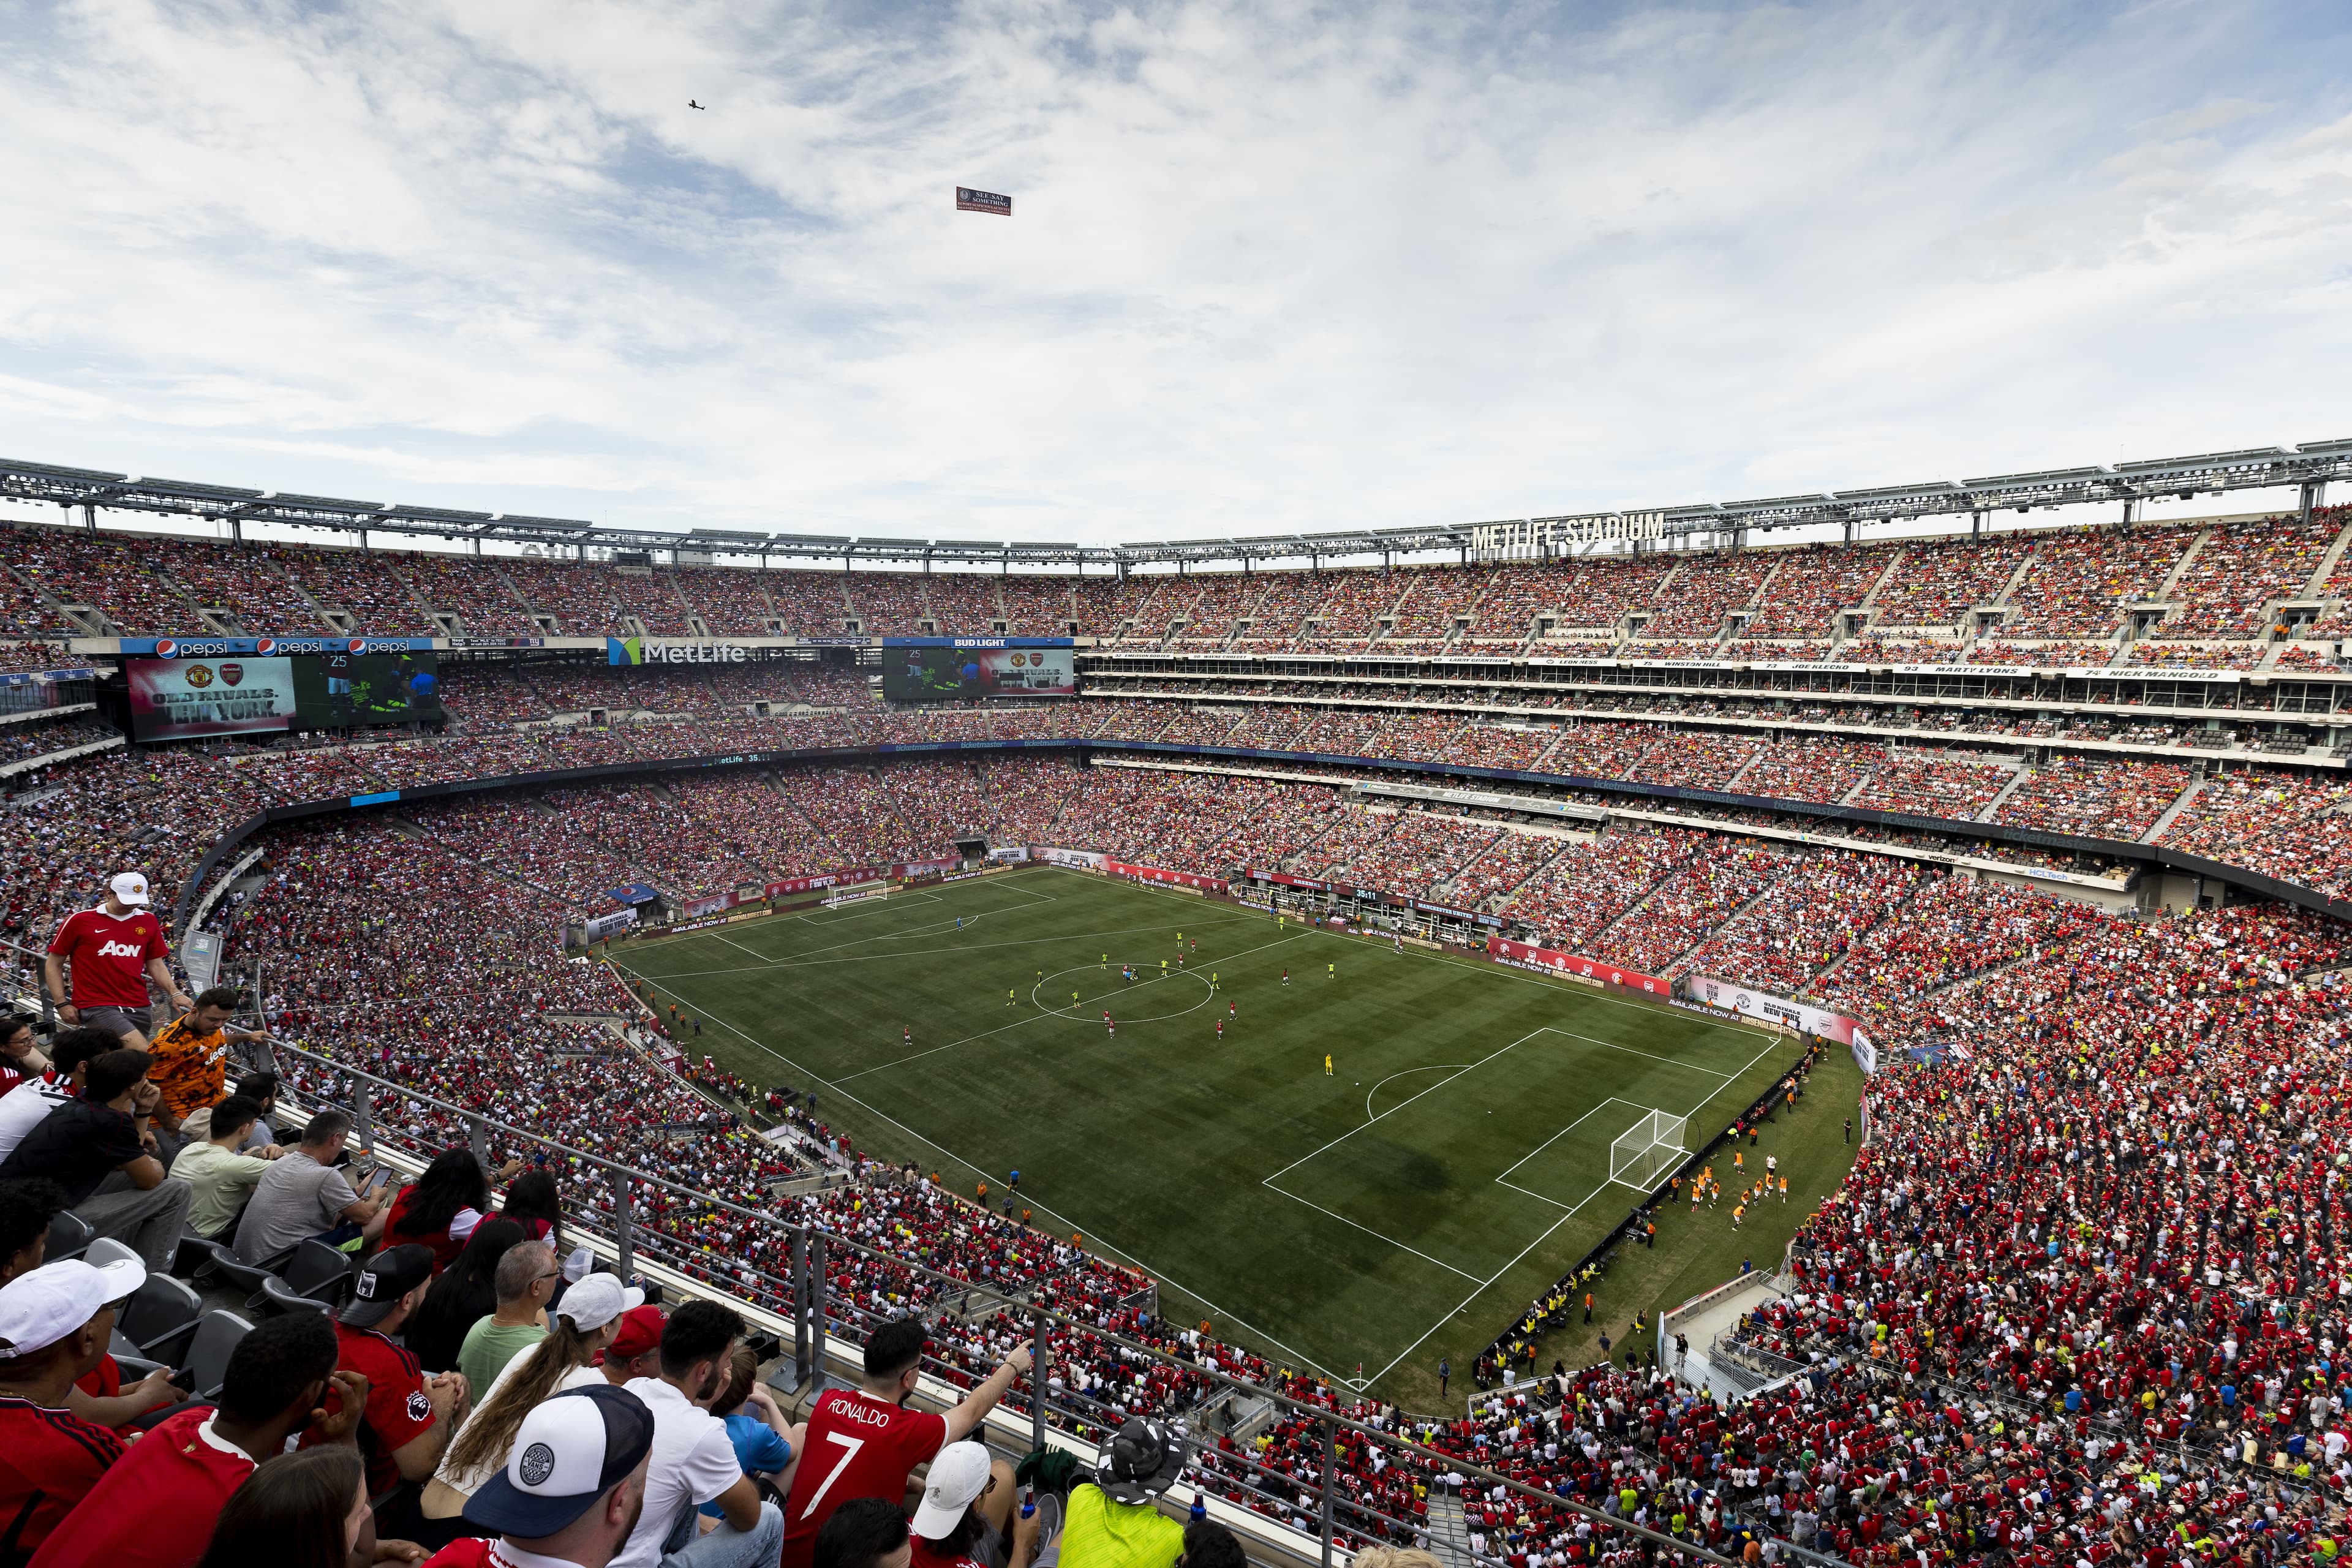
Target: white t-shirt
{"points": [[25, 1107], [471, 1481], [693, 1461]]}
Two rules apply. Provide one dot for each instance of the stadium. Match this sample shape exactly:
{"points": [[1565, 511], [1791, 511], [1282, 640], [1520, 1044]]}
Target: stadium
{"points": [[1840, 1042], [1175, 783]]}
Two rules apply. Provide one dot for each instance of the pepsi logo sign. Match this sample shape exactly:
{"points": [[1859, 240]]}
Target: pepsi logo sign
{"points": [[356, 645], [165, 648], [265, 645]]}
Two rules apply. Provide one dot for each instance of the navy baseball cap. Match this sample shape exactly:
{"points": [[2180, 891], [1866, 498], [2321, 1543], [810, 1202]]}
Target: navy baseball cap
{"points": [[568, 1452]]}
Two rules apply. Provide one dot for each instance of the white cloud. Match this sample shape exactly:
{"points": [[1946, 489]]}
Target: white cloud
{"points": [[1282, 267]]}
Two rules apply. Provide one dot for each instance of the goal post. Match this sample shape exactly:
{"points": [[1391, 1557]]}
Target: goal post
{"points": [[1641, 1156]]}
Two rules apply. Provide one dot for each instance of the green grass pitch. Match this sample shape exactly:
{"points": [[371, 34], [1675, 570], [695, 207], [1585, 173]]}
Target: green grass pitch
{"points": [[1405, 1205]]}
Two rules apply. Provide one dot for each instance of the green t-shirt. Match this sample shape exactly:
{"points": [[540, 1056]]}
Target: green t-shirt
{"points": [[490, 1345], [1103, 1533], [223, 1181]]}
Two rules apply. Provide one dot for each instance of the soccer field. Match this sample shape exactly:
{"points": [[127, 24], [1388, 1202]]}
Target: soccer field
{"points": [[1408, 1204]]}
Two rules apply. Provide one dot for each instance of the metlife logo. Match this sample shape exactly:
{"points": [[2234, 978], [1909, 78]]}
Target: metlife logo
{"points": [[645, 650]]}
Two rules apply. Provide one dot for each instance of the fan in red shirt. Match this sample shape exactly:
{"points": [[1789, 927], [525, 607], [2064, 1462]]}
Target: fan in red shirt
{"points": [[19, 1061], [113, 951], [277, 1380], [863, 1442], [53, 1326]]}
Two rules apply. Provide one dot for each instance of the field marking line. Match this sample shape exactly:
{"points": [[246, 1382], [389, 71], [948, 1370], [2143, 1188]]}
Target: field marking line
{"points": [[1375, 1234], [1104, 1244], [1670, 1062], [1565, 1216], [1433, 1067], [917, 953], [881, 906], [901, 1061], [1400, 1105], [1597, 1109], [736, 945]]}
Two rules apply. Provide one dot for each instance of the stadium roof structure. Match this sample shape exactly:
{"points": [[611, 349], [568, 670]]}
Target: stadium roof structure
{"points": [[2310, 466]]}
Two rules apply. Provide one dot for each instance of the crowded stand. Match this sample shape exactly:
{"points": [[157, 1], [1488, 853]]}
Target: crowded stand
{"points": [[2242, 568], [809, 603], [1716, 883], [649, 595], [1811, 588], [1219, 602], [732, 602], [1278, 618], [1697, 759], [1706, 590], [2095, 797], [1818, 768], [574, 597], [888, 604], [1597, 592], [2078, 584], [2049, 1027], [472, 589], [1505, 615], [1437, 599], [1035, 607], [1354, 607], [1498, 870]]}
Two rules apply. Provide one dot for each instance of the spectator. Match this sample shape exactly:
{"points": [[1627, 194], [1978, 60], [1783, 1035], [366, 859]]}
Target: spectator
{"points": [[462, 1295], [186, 1467], [764, 1441], [94, 1146], [967, 1500], [408, 1417], [693, 1462], [533, 1202], [636, 1349], [1115, 1518], [222, 1179], [442, 1206], [27, 1206], [113, 950], [309, 1510], [190, 1054], [881, 1439], [524, 1279], [864, 1532], [304, 1196], [19, 1114], [19, 1061], [261, 1088], [54, 1325], [573, 1491], [591, 1315]]}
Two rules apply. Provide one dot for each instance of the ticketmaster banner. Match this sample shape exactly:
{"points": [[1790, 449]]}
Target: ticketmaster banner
{"points": [[1798, 1016]]}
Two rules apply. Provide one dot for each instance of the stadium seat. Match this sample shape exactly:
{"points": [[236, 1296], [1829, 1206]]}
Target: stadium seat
{"points": [[218, 1334], [162, 1315], [69, 1236], [279, 1295], [318, 1271]]}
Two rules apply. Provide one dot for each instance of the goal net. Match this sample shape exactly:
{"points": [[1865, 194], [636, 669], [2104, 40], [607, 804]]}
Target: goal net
{"points": [[1642, 1154]]}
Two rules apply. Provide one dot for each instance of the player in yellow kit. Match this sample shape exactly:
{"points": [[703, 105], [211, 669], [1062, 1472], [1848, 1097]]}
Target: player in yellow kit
{"points": [[1327, 1064]]}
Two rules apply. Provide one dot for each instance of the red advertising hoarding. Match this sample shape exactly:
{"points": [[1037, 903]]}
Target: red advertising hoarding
{"points": [[1553, 962]]}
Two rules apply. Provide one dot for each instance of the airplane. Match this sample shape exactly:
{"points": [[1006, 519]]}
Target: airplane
{"points": [[691, 104]]}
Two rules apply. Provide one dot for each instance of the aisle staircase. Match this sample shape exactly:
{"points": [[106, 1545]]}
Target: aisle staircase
{"points": [[1449, 1531]]}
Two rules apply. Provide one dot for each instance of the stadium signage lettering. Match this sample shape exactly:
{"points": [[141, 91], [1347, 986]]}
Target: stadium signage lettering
{"points": [[216, 647], [693, 653], [1529, 533]]}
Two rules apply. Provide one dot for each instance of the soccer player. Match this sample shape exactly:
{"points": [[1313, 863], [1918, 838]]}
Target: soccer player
{"points": [[1331, 971], [1213, 980], [1327, 1064], [1221, 1029], [959, 922], [1074, 999], [1105, 962], [1231, 1011], [910, 1034], [1113, 1026], [1286, 977], [1008, 995]]}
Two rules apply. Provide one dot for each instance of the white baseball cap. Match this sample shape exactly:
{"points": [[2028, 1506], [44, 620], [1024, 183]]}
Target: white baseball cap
{"points": [[568, 1452], [130, 887], [39, 1309], [957, 1476], [596, 1300]]}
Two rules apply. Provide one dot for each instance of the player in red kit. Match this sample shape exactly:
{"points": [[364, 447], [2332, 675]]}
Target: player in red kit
{"points": [[862, 1442]]}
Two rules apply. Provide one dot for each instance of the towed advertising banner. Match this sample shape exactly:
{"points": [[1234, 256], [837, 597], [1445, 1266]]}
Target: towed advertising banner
{"points": [[173, 699], [1551, 960], [601, 926], [1158, 874], [1798, 1016]]}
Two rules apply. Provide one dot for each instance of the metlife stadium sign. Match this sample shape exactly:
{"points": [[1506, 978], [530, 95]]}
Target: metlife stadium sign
{"points": [[1531, 535], [649, 650]]}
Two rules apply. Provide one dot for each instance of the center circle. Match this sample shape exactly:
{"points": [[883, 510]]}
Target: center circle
{"points": [[1111, 998]]}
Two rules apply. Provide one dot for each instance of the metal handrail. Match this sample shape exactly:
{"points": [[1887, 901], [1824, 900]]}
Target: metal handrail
{"points": [[811, 1312]]}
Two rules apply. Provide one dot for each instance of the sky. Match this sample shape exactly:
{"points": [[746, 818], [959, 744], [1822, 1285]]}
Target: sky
{"points": [[1273, 267]]}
